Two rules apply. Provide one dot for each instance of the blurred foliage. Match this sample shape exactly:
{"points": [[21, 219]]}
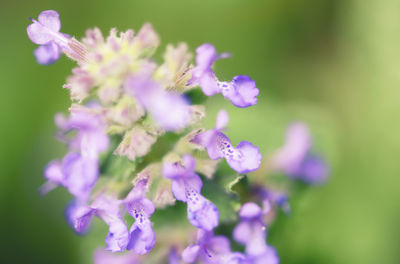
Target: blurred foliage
{"points": [[333, 64]]}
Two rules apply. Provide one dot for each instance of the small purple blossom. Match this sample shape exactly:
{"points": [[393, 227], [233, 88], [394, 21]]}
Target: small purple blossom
{"points": [[108, 209], [46, 32], [251, 232], [186, 187], [75, 172], [211, 249], [169, 110], [241, 91], [271, 198], [142, 237], [244, 158], [294, 158]]}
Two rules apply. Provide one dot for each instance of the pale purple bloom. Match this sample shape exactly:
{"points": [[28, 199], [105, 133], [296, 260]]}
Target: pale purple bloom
{"points": [[107, 209], [169, 110], [75, 172], [251, 232], [47, 53], [142, 237], [104, 257], [186, 187], [91, 138], [173, 257], [241, 91], [46, 33], [244, 158], [271, 198], [294, 158], [211, 249]]}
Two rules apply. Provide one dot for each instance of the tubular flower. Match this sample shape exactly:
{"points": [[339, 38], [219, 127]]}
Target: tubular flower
{"points": [[244, 158], [241, 91], [186, 187]]}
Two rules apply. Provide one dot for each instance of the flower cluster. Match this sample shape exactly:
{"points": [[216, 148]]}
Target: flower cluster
{"points": [[135, 143]]}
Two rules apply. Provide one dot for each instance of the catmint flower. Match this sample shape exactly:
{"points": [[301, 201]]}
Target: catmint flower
{"points": [[211, 249], [75, 172], [272, 198], [244, 158], [251, 232], [295, 159], [168, 109], [108, 209], [241, 91], [91, 138], [104, 257], [186, 187], [46, 32], [142, 237]]}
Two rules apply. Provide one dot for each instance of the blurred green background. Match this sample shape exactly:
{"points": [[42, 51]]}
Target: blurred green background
{"points": [[333, 64]]}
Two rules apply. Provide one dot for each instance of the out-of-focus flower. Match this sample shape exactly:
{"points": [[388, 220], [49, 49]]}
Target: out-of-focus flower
{"points": [[244, 158], [142, 237], [168, 109], [104, 257], [251, 232], [108, 209], [186, 187], [295, 159], [75, 172], [211, 249]]}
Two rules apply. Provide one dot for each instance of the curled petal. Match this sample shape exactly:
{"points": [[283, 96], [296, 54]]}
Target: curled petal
{"points": [[118, 237], [242, 91], [249, 160], [191, 253], [47, 54], [203, 214], [142, 238]]}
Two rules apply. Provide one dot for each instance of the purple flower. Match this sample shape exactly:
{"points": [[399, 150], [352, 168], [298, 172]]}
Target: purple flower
{"points": [[294, 158], [107, 209], [271, 198], [169, 110], [91, 138], [46, 32], [142, 237], [211, 249], [251, 232], [104, 257], [241, 91], [75, 172], [244, 158], [186, 187]]}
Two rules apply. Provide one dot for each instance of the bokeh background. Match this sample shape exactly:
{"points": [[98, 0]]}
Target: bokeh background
{"points": [[333, 64]]}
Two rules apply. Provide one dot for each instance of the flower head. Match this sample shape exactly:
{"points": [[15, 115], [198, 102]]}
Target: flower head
{"points": [[243, 159]]}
